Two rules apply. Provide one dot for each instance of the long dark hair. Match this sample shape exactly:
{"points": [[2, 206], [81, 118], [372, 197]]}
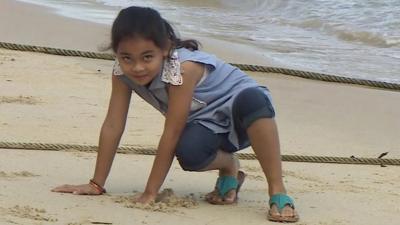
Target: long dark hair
{"points": [[147, 23]]}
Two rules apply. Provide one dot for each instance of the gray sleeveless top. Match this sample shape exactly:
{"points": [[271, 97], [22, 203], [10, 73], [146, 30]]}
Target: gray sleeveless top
{"points": [[212, 98]]}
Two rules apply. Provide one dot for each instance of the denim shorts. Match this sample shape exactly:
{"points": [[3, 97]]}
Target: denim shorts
{"points": [[198, 145]]}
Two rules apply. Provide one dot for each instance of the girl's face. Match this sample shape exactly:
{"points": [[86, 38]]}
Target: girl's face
{"points": [[140, 59]]}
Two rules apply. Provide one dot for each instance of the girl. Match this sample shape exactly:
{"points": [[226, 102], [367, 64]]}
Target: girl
{"points": [[212, 110]]}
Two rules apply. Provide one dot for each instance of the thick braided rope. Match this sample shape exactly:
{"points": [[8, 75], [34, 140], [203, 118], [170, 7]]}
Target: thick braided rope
{"points": [[254, 68], [319, 76], [56, 51], [152, 151]]}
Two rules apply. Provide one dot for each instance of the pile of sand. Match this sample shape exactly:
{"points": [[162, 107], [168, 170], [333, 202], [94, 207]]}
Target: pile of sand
{"points": [[166, 201]]}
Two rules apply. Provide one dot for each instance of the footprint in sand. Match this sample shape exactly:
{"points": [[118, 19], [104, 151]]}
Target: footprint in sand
{"points": [[17, 174], [27, 212], [25, 100], [301, 176], [252, 168], [255, 177], [166, 201]]}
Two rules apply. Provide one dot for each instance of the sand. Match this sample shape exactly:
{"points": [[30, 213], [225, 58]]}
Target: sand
{"points": [[57, 99]]}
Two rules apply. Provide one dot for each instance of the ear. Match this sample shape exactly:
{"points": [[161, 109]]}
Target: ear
{"points": [[167, 49]]}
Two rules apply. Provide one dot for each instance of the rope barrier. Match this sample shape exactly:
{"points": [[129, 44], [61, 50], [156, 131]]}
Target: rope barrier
{"points": [[246, 67], [244, 156]]}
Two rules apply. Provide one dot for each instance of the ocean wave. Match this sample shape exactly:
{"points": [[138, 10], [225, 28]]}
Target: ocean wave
{"points": [[344, 33], [368, 38], [322, 35], [254, 6], [259, 13]]}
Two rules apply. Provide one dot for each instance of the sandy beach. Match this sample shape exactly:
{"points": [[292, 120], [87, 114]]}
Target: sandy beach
{"points": [[58, 99]]}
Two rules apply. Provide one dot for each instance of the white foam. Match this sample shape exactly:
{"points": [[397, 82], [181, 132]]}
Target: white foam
{"points": [[331, 36], [82, 10]]}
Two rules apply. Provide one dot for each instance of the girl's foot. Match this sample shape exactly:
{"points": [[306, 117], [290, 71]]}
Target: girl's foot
{"points": [[282, 209], [288, 214], [229, 197]]}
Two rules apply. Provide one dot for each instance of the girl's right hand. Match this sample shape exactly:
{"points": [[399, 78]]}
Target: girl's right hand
{"points": [[83, 189]]}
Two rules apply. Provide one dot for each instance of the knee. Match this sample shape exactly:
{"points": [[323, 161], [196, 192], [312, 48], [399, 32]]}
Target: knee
{"points": [[196, 147], [252, 104], [193, 157], [183, 158]]}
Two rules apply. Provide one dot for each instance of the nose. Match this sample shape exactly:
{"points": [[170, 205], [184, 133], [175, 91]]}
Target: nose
{"points": [[137, 68]]}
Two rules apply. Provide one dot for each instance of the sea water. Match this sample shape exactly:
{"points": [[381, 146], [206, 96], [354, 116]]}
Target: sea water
{"points": [[353, 38]]}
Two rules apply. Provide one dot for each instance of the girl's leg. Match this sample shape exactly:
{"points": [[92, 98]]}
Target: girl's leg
{"points": [[197, 150], [254, 115], [263, 134], [228, 165], [225, 162]]}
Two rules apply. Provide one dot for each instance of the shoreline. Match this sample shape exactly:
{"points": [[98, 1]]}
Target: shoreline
{"points": [[64, 32], [333, 60]]}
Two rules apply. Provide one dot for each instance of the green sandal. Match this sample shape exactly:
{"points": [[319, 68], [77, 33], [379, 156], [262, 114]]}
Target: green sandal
{"points": [[227, 183], [281, 201]]}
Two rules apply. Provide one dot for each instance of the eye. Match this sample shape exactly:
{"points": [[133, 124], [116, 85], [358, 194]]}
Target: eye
{"points": [[126, 59], [148, 58]]}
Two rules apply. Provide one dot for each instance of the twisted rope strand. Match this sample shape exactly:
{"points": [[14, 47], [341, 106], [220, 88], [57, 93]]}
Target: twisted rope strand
{"points": [[153, 151], [247, 67], [246, 156]]}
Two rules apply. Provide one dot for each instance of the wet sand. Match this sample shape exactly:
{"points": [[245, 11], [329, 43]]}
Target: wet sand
{"points": [[58, 99]]}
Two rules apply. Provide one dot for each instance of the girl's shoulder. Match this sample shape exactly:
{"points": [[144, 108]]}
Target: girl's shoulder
{"points": [[198, 56], [193, 53]]}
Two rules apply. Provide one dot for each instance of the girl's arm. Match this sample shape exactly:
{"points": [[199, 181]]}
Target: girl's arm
{"points": [[112, 129], [110, 136], [180, 98]]}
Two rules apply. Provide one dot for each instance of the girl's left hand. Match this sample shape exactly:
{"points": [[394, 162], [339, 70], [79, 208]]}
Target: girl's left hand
{"points": [[144, 198]]}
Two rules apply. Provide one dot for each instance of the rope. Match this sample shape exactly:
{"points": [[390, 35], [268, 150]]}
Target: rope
{"points": [[244, 156], [247, 67]]}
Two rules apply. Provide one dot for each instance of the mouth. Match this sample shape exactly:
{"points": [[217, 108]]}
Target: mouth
{"points": [[140, 77]]}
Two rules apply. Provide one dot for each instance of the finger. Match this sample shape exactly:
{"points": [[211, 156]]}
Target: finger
{"points": [[64, 188], [57, 189], [85, 191], [136, 197], [80, 192], [142, 200]]}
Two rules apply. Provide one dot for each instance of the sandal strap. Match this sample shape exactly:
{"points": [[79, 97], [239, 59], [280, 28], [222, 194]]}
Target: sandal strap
{"points": [[281, 200], [225, 184]]}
